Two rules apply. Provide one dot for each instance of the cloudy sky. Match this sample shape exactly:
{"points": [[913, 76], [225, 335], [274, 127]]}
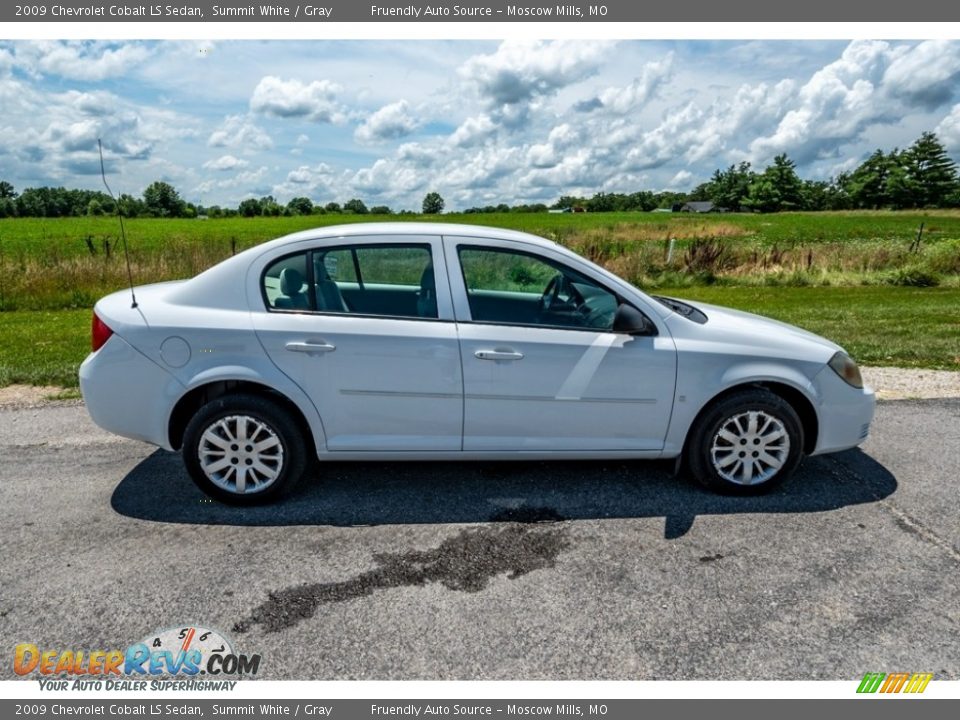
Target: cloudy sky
{"points": [[480, 122]]}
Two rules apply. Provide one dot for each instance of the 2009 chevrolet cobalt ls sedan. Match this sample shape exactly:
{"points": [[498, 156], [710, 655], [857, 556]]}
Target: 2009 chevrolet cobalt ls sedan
{"points": [[429, 341]]}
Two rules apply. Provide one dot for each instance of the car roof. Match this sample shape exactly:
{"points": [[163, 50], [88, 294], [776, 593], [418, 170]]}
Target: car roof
{"points": [[407, 228]]}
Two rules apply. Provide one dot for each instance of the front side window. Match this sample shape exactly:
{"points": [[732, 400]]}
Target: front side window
{"points": [[394, 280], [518, 288]]}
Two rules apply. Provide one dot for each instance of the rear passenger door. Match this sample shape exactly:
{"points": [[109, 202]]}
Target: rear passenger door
{"points": [[365, 327]]}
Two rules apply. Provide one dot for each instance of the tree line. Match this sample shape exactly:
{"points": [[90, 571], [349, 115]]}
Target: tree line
{"points": [[921, 176]]}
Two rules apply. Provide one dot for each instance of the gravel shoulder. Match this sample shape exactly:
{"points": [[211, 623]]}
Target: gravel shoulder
{"points": [[890, 384]]}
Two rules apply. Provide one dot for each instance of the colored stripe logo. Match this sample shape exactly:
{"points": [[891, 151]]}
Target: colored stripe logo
{"points": [[894, 682]]}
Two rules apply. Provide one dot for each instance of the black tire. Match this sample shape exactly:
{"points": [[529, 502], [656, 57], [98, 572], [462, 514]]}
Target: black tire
{"points": [[285, 460], [720, 461]]}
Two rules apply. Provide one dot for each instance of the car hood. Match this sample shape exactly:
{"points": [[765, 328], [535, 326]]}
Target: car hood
{"points": [[757, 331]]}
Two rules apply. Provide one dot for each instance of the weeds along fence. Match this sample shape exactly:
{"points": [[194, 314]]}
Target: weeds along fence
{"points": [[81, 264], [56, 276], [719, 255]]}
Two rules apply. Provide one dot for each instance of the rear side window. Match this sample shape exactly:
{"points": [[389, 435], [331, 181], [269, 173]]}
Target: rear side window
{"points": [[393, 280], [285, 283]]}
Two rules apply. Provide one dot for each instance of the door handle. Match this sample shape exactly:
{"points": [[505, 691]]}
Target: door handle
{"points": [[310, 348], [498, 355]]}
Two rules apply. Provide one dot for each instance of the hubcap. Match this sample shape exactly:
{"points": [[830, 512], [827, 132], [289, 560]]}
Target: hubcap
{"points": [[750, 448], [241, 454]]}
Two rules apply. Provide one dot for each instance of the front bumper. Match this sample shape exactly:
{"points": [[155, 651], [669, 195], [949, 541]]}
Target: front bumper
{"points": [[128, 394], [844, 412]]}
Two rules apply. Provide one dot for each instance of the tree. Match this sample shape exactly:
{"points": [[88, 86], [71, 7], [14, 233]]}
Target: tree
{"points": [[764, 196], [269, 207], [380, 210], [8, 200], [568, 202], [332, 207], [355, 206], [300, 206], [249, 207], [433, 204], [929, 171], [162, 200], [777, 188], [868, 185], [131, 206], [729, 188]]}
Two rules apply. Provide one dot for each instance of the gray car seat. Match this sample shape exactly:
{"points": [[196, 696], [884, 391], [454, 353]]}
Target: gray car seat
{"points": [[427, 297], [329, 298], [291, 291]]}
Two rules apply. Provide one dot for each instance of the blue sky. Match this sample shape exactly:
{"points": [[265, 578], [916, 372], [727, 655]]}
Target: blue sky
{"points": [[481, 122]]}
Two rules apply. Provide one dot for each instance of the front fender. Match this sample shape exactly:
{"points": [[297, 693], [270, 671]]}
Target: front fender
{"points": [[699, 384]]}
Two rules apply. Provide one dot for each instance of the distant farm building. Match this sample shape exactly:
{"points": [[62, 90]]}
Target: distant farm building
{"points": [[698, 206]]}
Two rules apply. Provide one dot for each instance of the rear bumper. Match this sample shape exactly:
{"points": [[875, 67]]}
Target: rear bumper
{"points": [[845, 413], [128, 394]]}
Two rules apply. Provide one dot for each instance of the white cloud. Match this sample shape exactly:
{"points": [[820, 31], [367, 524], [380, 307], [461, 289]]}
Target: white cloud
{"points": [[871, 83], [641, 90], [927, 74], [318, 182], [683, 180], [473, 131], [391, 122], [315, 101], [225, 162], [949, 131], [521, 121], [238, 131], [6, 60], [520, 71], [389, 179], [90, 61], [550, 153]]}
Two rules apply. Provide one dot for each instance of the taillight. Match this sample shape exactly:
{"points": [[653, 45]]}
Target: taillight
{"points": [[99, 334]]}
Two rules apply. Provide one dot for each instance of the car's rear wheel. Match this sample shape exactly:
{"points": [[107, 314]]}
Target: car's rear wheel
{"points": [[746, 443], [243, 449]]}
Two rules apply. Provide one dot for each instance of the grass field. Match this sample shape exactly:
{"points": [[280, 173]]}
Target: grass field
{"points": [[907, 327], [853, 277], [50, 264]]}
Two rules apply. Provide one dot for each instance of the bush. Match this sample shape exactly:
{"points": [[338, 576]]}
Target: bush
{"points": [[912, 276]]}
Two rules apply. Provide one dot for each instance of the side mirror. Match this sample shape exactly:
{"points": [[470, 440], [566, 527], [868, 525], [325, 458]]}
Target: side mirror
{"points": [[631, 321]]}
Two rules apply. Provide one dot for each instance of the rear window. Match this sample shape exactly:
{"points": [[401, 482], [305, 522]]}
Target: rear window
{"points": [[393, 280]]}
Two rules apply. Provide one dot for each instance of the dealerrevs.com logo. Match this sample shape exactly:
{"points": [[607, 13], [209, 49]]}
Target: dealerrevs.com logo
{"points": [[188, 657]]}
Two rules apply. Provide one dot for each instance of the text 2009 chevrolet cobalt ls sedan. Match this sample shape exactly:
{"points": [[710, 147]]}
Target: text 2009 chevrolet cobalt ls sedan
{"points": [[428, 341]]}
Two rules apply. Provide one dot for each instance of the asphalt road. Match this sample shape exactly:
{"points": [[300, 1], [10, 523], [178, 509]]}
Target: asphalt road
{"points": [[494, 571]]}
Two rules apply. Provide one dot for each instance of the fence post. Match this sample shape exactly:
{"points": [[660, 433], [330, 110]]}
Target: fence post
{"points": [[915, 245]]}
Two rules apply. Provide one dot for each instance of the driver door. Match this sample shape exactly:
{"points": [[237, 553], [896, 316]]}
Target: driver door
{"points": [[542, 368]]}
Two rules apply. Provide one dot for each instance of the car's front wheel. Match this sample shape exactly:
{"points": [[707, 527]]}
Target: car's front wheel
{"points": [[243, 449], [746, 443]]}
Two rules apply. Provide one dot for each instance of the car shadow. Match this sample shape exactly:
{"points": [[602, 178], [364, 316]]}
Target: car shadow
{"points": [[374, 493]]}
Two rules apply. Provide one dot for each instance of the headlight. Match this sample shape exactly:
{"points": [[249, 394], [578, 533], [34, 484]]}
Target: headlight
{"points": [[847, 369]]}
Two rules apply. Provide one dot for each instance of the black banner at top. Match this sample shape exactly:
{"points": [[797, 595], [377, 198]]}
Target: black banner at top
{"points": [[742, 11]]}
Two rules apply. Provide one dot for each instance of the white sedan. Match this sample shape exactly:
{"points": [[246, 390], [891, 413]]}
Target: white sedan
{"points": [[411, 341]]}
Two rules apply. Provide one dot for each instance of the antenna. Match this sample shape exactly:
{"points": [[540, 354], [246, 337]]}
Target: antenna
{"points": [[123, 234]]}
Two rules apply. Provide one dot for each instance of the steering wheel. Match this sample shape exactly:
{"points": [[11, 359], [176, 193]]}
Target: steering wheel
{"points": [[551, 300]]}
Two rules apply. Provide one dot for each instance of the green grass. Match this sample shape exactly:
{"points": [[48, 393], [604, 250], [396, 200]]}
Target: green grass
{"points": [[906, 327], [903, 327], [43, 348], [50, 264], [31, 235]]}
